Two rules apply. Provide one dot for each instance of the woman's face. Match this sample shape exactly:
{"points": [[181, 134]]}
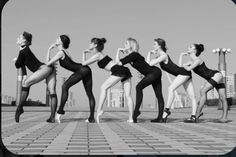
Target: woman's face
{"points": [[92, 45], [156, 46], [58, 41], [191, 49], [21, 40], [127, 45]]}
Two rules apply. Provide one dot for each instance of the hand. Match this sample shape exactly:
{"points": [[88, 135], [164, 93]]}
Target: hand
{"points": [[152, 52], [121, 50], [52, 46], [14, 59], [87, 51], [24, 78], [184, 53]]}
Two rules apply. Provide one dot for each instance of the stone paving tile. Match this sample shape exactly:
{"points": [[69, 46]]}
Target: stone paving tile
{"points": [[114, 136]]}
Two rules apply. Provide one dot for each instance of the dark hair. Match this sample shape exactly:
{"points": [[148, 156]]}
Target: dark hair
{"points": [[65, 41], [28, 37], [199, 48], [100, 43], [162, 43]]}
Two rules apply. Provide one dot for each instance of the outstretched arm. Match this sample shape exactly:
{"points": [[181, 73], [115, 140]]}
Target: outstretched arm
{"points": [[91, 60], [160, 59], [193, 65], [54, 59], [148, 59]]}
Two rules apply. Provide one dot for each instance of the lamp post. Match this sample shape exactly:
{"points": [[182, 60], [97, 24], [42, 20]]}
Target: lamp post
{"points": [[222, 66]]}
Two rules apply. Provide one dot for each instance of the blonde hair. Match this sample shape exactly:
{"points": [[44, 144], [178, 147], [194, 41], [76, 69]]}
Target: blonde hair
{"points": [[133, 44]]}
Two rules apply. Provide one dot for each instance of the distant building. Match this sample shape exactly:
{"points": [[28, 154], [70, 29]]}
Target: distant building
{"points": [[5, 99], [230, 86], [185, 100]]}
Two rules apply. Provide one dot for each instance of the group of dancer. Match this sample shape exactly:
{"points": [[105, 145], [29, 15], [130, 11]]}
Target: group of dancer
{"points": [[147, 67]]}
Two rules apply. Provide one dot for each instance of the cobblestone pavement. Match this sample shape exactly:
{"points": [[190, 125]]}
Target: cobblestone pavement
{"points": [[114, 136]]}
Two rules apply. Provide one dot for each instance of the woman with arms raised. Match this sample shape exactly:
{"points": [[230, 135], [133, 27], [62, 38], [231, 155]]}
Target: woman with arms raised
{"points": [[152, 76], [118, 73], [214, 79], [40, 72], [80, 72], [183, 77]]}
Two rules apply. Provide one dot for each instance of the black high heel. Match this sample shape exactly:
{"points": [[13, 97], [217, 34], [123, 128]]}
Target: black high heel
{"points": [[168, 113]]}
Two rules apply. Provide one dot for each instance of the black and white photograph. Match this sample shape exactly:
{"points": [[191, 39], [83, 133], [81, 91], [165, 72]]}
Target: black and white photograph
{"points": [[118, 77]]}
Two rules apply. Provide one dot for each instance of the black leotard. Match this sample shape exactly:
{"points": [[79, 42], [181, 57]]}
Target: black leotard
{"points": [[116, 70], [138, 62], [27, 58], [103, 62], [69, 64], [174, 69], [204, 72], [152, 76]]}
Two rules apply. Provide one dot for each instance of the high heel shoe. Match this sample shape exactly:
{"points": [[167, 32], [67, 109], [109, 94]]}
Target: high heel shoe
{"points": [[98, 115], [167, 114]]}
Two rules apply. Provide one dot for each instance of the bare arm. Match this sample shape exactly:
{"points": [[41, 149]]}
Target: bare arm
{"points": [[54, 59], [181, 58], [84, 55], [148, 59], [187, 63], [158, 60], [118, 56], [193, 65], [91, 60]]}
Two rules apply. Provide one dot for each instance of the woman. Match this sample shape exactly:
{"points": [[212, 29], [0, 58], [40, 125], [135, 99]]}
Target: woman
{"points": [[40, 72], [183, 77], [214, 79], [80, 72], [152, 76], [118, 73]]}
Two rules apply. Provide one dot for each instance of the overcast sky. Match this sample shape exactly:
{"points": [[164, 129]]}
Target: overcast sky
{"points": [[180, 23]]}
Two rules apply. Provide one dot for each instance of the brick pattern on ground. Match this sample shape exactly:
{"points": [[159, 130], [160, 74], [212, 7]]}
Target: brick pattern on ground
{"points": [[114, 136]]}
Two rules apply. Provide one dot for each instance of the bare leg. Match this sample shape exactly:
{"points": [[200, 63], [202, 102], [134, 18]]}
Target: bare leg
{"points": [[127, 88], [190, 90], [178, 81], [203, 97], [51, 84], [112, 80], [223, 100]]}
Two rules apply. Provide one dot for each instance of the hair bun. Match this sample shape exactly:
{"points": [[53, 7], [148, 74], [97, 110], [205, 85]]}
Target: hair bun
{"points": [[201, 47], [103, 40]]}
